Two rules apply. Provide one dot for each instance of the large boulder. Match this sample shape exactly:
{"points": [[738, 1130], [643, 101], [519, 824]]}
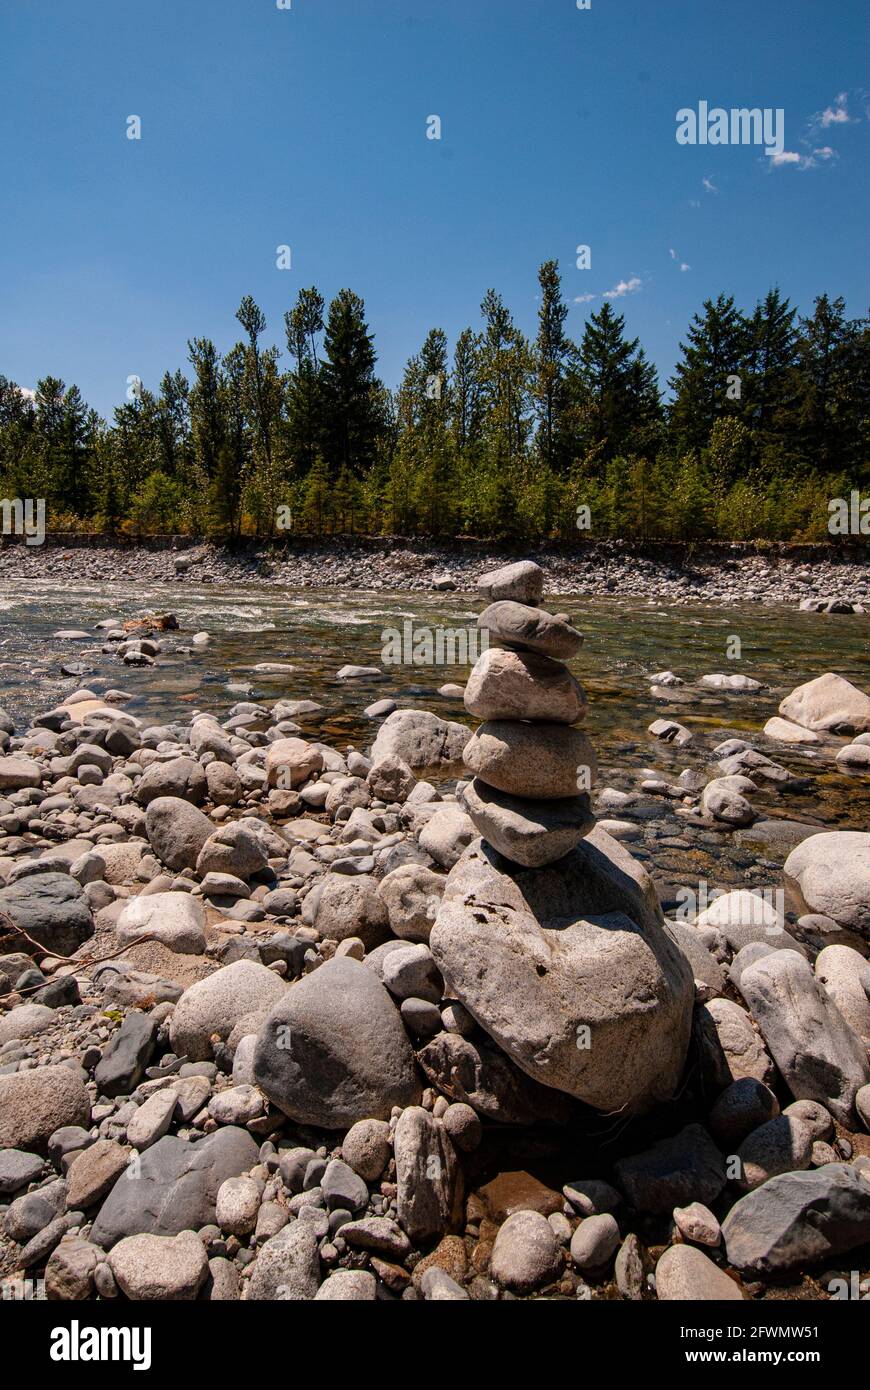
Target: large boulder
{"points": [[175, 919], [830, 703], [505, 684], [33, 1104], [217, 1003], [571, 971], [820, 1057], [173, 1186], [183, 778], [176, 831], [51, 909], [830, 874], [798, 1219], [25, 1021], [333, 1050], [419, 738], [522, 581]]}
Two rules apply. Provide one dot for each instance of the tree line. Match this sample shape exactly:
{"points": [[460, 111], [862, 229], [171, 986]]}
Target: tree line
{"points": [[507, 438]]}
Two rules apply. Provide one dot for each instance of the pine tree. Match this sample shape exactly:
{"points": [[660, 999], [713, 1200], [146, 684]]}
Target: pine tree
{"points": [[304, 427], [770, 395], [834, 382], [708, 382], [615, 389], [552, 352], [207, 424], [349, 386]]}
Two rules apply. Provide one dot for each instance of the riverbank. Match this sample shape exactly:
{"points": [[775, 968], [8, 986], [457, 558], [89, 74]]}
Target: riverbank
{"points": [[248, 1046], [668, 573]]}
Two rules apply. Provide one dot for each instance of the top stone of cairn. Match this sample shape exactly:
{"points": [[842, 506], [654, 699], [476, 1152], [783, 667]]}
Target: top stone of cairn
{"points": [[523, 582]]}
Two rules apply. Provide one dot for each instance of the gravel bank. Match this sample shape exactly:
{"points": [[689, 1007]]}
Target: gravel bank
{"points": [[667, 573]]}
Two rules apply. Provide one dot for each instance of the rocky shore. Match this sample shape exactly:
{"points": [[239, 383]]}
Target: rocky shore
{"points": [[672, 574], [282, 1020]]}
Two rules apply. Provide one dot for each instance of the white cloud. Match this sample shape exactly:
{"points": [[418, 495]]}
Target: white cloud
{"points": [[835, 115], [709, 185], [624, 287], [802, 161], [584, 298], [673, 254], [684, 266]]}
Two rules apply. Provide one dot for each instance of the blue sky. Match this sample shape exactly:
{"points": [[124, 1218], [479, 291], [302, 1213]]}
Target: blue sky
{"points": [[307, 127]]}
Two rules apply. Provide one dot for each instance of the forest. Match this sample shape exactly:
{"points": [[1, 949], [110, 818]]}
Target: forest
{"points": [[764, 421]]}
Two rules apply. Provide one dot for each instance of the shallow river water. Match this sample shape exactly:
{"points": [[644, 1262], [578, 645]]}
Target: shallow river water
{"points": [[317, 632]]}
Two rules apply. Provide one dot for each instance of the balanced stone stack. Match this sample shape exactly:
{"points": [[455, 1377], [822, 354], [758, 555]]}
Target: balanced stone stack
{"points": [[533, 770], [549, 932]]}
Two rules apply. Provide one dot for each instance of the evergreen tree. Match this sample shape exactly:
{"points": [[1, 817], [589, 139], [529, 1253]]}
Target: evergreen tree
{"points": [[615, 389], [349, 386], [834, 383], [770, 395], [552, 352], [207, 423], [709, 380], [466, 394], [235, 455], [304, 427]]}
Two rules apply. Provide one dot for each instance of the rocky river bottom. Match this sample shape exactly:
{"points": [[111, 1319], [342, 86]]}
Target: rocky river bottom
{"points": [[461, 1177]]}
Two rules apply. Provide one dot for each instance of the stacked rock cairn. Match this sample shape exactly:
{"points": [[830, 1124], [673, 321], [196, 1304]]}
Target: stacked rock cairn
{"points": [[533, 769], [549, 933]]}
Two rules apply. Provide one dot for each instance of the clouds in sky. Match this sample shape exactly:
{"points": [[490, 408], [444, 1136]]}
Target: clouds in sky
{"points": [[624, 287], [620, 289], [834, 115]]}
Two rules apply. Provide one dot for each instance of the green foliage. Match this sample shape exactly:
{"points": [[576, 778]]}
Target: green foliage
{"points": [[505, 437]]}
